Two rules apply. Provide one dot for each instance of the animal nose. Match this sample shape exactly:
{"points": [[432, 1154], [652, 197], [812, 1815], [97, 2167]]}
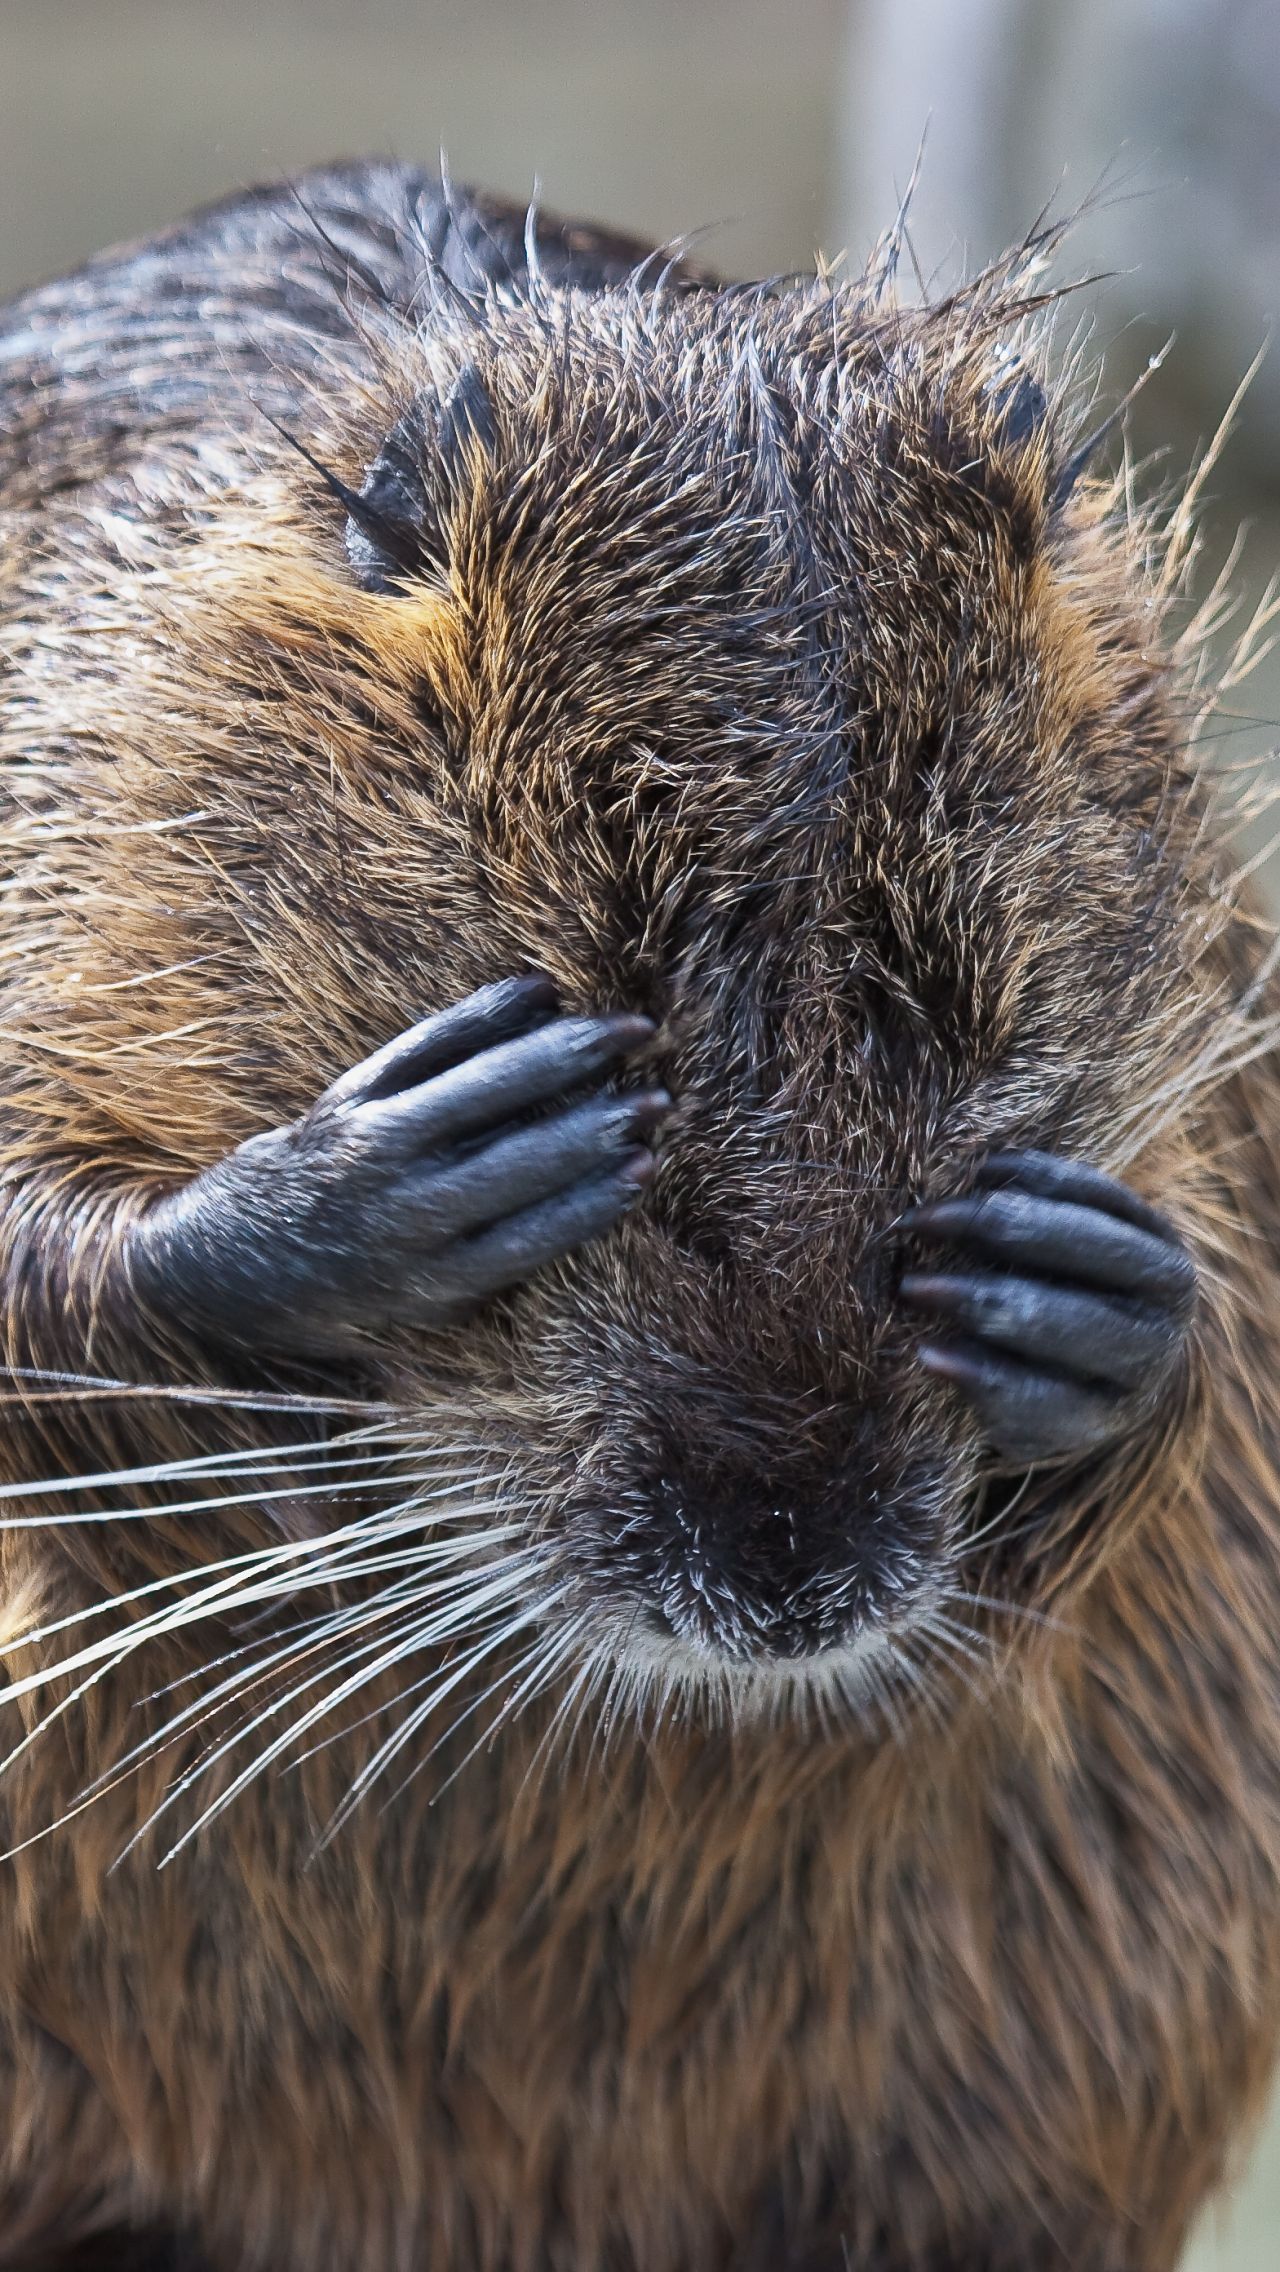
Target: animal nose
{"points": [[747, 1562]]}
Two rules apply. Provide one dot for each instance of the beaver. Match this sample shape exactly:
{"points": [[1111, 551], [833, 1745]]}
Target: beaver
{"points": [[641, 1567]]}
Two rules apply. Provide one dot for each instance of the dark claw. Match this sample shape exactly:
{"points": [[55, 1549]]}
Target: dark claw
{"points": [[1071, 1241], [518, 1171], [512, 1249], [1028, 1415], [1048, 1177], [1091, 1336], [497, 1084], [1074, 1340]]}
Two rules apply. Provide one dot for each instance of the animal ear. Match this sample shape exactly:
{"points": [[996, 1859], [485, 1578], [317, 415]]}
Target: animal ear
{"points": [[391, 535], [1017, 403], [466, 435], [1019, 411], [1078, 461], [388, 519]]}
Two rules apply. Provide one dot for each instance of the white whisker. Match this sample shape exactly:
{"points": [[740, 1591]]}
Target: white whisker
{"points": [[548, 1662], [302, 1640], [960, 1637], [257, 1496], [956, 1656], [580, 1691], [995, 1523], [257, 1459], [115, 1651], [42, 1386], [408, 1728], [882, 1679], [410, 1635], [513, 1566], [535, 1656], [276, 1563], [1011, 1609]]}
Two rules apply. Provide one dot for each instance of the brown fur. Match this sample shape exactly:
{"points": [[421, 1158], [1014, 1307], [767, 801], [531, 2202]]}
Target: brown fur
{"points": [[766, 689]]}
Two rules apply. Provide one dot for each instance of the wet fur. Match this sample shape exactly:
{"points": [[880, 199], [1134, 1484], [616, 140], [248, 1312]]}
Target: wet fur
{"points": [[764, 686]]}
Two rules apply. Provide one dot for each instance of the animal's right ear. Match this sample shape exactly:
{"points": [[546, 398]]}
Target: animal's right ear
{"points": [[391, 534], [388, 521], [1020, 413], [466, 437]]}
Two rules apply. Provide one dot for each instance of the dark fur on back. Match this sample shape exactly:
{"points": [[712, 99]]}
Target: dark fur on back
{"points": [[765, 667]]}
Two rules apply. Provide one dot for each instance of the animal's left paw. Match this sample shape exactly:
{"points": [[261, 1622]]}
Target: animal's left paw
{"points": [[1069, 1314]]}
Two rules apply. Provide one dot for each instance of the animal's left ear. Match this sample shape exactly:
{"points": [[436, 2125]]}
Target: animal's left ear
{"points": [[1019, 411], [1017, 404], [392, 537], [1078, 462]]}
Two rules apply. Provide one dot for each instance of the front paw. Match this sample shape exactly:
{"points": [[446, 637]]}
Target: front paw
{"points": [[1077, 1325], [416, 1187]]}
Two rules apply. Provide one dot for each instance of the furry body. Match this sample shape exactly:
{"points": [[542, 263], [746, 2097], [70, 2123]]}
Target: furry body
{"points": [[767, 679]]}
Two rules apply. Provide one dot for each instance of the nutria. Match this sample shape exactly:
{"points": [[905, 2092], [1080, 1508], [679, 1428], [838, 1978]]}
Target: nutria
{"points": [[549, 1734]]}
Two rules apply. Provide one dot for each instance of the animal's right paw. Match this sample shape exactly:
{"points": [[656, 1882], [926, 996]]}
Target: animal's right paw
{"points": [[417, 1186]]}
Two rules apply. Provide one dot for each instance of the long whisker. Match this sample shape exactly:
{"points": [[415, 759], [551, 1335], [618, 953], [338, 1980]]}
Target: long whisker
{"points": [[411, 1625], [367, 1649], [270, 1561], [956, 1656], [579, 1691], [547, 1661], [311, 1634], [350, 1727], [1014, 1610], [201, 1705], [996, 1522], [962, 1638], [107, 1656], [914, 1679], [531, 1614], [252, 1459], [534, 1655], [317, 1712], [194, 1715], [88, 1388], [856, 1695], [328, 1487]]}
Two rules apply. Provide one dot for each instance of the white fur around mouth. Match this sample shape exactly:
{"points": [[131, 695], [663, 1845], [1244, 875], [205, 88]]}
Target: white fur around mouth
{"points": [[860, 1680]]}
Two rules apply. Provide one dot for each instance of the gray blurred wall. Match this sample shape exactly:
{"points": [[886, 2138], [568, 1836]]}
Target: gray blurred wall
{"points": [[115, 114]]}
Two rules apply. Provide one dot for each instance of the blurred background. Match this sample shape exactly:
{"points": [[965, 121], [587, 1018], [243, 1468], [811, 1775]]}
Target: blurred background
{"points": [[784, 127]]}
